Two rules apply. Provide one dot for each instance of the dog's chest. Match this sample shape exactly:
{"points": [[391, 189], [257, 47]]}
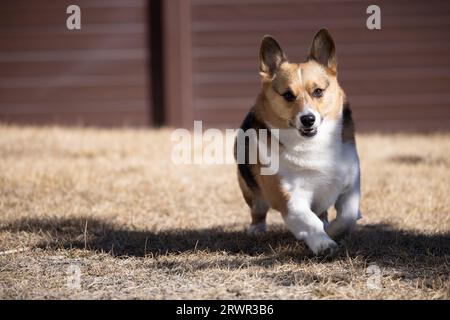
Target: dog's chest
{"points": [[317, 175]]}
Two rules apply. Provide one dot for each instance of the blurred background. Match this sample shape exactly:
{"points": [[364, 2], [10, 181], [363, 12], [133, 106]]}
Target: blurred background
{"points": [[168, 63]]}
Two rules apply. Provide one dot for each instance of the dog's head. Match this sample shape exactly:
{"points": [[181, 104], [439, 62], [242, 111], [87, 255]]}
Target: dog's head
{"points": [[301, 95]]}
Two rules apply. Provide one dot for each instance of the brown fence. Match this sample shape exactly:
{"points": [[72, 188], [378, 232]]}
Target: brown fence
{"points": [[204, 60], [95, 76], [396, 78]]}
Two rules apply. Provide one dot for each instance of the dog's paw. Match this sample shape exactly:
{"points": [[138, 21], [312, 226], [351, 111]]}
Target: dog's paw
{"points": [[338, 229], [322, 245], [256, 229]]}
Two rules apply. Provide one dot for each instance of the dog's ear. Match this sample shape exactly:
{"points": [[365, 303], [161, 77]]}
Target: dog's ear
{"points": [[270, 56], [323, 50]]}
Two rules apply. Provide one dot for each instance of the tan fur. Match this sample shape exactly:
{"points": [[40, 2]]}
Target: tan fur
{"points": [[272, 191], [246, 192], [272, 107]]}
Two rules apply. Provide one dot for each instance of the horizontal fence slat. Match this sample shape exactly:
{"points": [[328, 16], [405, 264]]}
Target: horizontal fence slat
{"points": [[69, 41], [48, 107], [50, 4], [57, 68], [108, 119], [75, 93]]}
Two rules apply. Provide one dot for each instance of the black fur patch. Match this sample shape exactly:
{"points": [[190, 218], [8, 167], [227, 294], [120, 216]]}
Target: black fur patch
{"points": [[250, 122], [347, 112], [348, 126]]}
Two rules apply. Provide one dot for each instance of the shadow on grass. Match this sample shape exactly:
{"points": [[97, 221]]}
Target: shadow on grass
{"points": [[377, 243]]}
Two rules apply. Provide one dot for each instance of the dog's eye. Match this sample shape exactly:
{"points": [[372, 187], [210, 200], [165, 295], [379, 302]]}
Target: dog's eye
{"points": [[289, 96], [318, 93]]}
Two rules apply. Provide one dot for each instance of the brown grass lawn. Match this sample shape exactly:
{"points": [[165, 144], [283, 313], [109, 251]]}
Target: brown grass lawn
{"points": [[111, 203]]}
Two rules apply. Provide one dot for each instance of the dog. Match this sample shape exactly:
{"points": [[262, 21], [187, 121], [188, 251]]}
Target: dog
{"points": [[318, 159]]}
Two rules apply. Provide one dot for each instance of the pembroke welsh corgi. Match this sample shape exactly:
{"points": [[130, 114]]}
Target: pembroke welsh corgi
{"points": [[318, 160]]}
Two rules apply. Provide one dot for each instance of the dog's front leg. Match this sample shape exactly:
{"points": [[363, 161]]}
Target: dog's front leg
{"points": [[307, 226], [347, 213]]}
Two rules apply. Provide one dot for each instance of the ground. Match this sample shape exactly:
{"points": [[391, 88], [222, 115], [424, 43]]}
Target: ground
{"points": [[89, 213]]}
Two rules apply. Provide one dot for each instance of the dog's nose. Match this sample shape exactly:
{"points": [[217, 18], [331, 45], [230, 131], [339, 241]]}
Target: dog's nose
{"points": [[308, 120]]}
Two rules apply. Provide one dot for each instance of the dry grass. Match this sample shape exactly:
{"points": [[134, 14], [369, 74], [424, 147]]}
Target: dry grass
{"points": [[112, 203]]}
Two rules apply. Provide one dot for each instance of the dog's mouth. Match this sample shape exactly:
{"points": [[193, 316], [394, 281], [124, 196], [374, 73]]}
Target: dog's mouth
{"points": [[304, 132], [308, 132]]}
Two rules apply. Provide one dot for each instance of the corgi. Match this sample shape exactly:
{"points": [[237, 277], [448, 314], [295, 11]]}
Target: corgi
{"points": [[318, 160]]}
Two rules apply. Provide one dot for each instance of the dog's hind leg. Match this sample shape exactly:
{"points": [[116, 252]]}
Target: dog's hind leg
{"points": [[347, 213], [259, 213], [324, 217], [258, 207]]}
